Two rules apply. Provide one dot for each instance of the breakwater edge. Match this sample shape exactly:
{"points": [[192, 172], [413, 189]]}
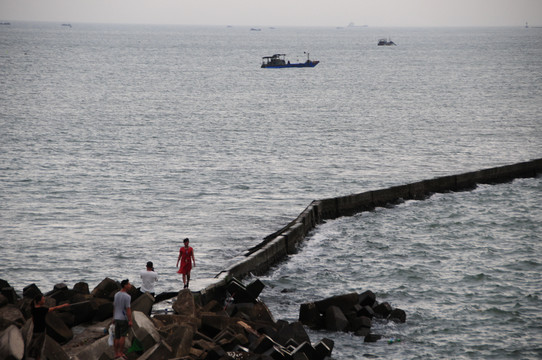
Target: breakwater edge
{"points": [[465, 181]]}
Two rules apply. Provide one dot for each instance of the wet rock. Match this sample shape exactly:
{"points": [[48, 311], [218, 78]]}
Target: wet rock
{"points": [[372, 338], [367, 298], [383, 309], [144, 330], [335, 319], [397, 315], [310, 316], [344, 302]]}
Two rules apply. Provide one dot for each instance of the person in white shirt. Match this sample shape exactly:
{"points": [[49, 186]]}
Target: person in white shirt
{"points": [[148, 278]]}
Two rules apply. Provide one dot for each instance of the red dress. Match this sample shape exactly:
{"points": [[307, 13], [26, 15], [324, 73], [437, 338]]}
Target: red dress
{"points": [[186, 260]]}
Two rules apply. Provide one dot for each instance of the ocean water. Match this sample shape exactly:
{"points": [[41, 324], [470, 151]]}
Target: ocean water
{"points": [[116, 142]]}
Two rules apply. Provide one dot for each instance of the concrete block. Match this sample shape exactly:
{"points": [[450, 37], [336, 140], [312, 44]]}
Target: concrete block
{"points": [[345, 302], [57, 329], [335, 319], [11, 344]]}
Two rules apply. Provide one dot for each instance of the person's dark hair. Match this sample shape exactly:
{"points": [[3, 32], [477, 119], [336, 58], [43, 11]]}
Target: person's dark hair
{"points": [[186, 239], [150, 264], [124, 282]]}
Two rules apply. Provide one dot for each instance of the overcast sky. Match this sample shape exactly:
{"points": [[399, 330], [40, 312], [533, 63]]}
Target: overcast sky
{"points": [[279, 12]]}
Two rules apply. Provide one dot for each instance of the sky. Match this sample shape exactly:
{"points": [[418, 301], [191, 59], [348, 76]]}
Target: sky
{"points": [[378, 13]]}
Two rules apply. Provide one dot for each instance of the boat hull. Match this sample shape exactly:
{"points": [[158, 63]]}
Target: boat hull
{"points": [[296, 65]]}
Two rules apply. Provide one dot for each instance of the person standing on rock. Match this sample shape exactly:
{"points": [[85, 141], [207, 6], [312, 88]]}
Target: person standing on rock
{"points": [[148, 278], [122, 315], [39, 311], [186, 257]]}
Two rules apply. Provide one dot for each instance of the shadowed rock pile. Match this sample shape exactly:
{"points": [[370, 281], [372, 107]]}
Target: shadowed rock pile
{"points": [[349, 312], [235, 326]]}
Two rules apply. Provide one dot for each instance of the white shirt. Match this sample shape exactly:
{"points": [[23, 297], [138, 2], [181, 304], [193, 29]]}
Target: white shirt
{"points": [[148, 279]]}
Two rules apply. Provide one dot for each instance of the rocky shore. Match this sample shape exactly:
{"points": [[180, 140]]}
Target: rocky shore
{"points": [[233, 324], [236, 325]]}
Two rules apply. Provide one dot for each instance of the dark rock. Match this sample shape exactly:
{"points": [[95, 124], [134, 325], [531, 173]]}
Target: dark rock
{"points": [[383, 309], [323, 349], [31, 291], [397, 315], [305, 348], [310, 316], [335, 319], [239, 292], [359, 322], [143, 303], [4, 284], [372, 338], [53, 350], [158, 351], [57, 329], [366, 311], [212, 324], [344, 302], [3, 300], [10, 294], [106, 289], [293, 331], [262, 344], [260, 312], [367, 298], [103, 308], [81, 288], [165, 296], [362, 331], [255, 288]]}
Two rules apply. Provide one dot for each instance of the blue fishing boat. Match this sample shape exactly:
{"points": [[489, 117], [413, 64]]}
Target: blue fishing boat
{"points": [[278, 61]]}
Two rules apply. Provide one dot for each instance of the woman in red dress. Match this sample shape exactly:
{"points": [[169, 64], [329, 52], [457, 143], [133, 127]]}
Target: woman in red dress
{"points": [[186, 257]]}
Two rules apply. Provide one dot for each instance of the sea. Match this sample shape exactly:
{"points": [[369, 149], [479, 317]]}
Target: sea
{"points": [[119, 141]]}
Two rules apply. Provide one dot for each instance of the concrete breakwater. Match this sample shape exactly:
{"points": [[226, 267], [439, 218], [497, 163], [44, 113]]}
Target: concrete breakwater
{"points": [[275, 247]]}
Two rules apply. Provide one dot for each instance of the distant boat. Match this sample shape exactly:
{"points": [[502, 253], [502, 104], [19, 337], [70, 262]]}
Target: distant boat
{"points": [[255, 29], [278, 61], [386, 42], [5, 23], [68, 25]]}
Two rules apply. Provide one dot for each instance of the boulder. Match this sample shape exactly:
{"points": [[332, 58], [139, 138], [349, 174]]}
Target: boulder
{"points": [[106, 289], [344, 302], [397, 315], [53, 350], [180, 340], [31, 291], [144, 330], [310, 316], [103, 308], [335, 319], [366, 311], [255, 288], [367, 298], [185, 304], [383, 309], [57, 329], [81, 288], [11, 344], [372, 338], [260, 312], [292, 331], [94, 350], [11, 315], [143, 303], [158, 351], [10, 294]]}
